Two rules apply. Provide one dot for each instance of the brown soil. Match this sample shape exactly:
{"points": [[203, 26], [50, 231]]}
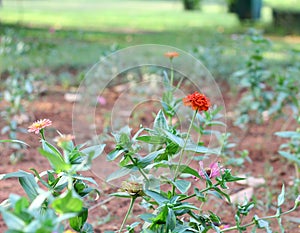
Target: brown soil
{"points": [[107, 213]]}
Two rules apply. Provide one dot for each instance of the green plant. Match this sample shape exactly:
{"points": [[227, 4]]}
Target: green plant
{"points": [[55, 196], [254, 80], [18, 89], [291, 151], [173, 204]]}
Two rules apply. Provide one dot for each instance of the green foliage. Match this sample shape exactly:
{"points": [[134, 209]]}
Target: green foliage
{"points": [[17, 88], [291, 151], [53, 196]]}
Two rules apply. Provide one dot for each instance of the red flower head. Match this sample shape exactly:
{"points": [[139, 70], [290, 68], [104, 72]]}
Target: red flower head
{"points": [[197, 101], [37, 126], [171, 55]]}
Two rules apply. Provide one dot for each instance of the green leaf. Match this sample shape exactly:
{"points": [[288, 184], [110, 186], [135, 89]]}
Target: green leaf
{"points": [[87, 228], [199, 149], [145, 161], [160, 121], [26, 180], [117, 174], [40, 178], [56, 161], [14, 141], [290, 157], [188, 170], [185, 206], [262, 224], [222, 193], [147, 217], [94, 151], [178, 140], [161, 218], [77, 222], [39, 200], [280, 199], [182, 185], [152, 139], [171, 219], [121, 194], [160, 199], [67, 204], [51, 149], [287, 134], [12, 221], [89, 179], [114, 154]]}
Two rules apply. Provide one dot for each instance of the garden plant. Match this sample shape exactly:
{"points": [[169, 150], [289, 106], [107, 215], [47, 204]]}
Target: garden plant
{"points": [[162, 167]]}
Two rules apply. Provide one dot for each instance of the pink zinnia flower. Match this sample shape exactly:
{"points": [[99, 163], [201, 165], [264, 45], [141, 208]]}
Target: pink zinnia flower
{"points": [[224, 226], [101, 100], [212, 171], [37, 126]]}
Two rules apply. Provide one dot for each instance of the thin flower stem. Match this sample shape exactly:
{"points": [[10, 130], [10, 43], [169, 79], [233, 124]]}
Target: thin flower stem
{"points": [[128, 212], [140, 169], [172, 72], [297, 171], [184, 145], [263, 218], [171, 85], [42, 134], [193, 195]]}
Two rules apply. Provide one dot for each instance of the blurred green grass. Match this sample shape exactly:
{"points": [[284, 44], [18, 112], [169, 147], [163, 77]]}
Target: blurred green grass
{"points": [[77, 33], [116, 15]]}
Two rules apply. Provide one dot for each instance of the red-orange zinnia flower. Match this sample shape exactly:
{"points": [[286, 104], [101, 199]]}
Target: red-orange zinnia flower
{"points": [[197, 101], [38, 125], [171, 55]]}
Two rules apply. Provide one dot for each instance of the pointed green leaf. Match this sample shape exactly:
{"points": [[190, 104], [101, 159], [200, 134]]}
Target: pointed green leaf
{"points": [[26, 180], [152, 139], [290, 157], [78, 222], [56, 161], [13, 141], [12, 221], [182, 185], [178, 140], [280, 199], [94, 151], [171, 219], [156, 196], [160, 121], [117, 174], [149, 158], [67, 204], [188, 170], [114, 154]]}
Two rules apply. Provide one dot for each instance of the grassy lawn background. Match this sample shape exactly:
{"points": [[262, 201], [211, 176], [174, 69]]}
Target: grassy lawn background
{"points": [[76, 33]]}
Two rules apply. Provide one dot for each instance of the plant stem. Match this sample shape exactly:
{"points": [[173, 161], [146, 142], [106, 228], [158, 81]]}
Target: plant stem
{"points": [[263, 218], [171, 87], [184, 145], [297, 171], [42, 134], [140, 169], [193, 195], [172, 73], [128, 212]]}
